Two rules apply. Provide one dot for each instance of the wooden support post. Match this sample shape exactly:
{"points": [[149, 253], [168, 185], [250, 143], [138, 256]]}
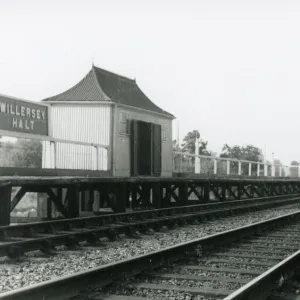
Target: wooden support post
{"points": [[5, 198], [133, 196], [82, 201], [252, 189], [164, 200], [280, 188], [104, 200], [91, 200], [239, 190], [49, 209], [183, 193], [73, 201], [121, 194], [262, 190], [258, 169], [59, 198], [146, 195], [157, 195], [240, 168], [224, 188], [293, 188], [206, 191], [128, 196], [168, 195], [97, 199], [249, 169], [267, 190], [272, 189]]}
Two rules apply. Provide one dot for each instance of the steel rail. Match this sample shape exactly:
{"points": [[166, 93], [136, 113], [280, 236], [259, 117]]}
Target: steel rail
{"points": [[72, 285], [261, 286], [46, 235]]}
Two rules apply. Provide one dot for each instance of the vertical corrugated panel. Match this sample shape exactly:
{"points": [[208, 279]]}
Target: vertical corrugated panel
{"points": [[82, 123], [48, 155], [70, 156], [46, 158]]}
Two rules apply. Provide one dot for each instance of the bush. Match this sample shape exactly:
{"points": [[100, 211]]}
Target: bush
{"points": [[22, 154]]}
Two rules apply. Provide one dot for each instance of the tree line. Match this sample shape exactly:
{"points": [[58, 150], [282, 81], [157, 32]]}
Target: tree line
{"points": [[245, 152], [248, 152]]}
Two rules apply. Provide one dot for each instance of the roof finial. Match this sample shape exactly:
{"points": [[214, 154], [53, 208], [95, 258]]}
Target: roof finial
{"points": [[93, 61]]}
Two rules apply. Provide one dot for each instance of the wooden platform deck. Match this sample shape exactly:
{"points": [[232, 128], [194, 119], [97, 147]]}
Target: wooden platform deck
{"points": [[70, 180], [59, 177]]}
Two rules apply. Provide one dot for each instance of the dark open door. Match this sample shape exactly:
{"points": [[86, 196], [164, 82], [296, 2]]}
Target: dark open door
{"points": [[145, 149], [140, 148], [156, 149]]}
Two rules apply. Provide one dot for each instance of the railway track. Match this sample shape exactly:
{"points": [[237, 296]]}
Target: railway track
{"points": [[15, 240], [243, 269], [236, 264]]}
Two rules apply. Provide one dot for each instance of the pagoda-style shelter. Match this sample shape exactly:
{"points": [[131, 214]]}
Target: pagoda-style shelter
{"points": [[131, 135]]}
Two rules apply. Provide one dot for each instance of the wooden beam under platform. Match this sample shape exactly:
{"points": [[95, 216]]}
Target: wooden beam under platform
{"points": [[157, 192], [5, 199]]}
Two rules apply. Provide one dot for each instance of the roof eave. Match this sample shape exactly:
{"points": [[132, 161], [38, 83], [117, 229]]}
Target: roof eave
{"points": [[165, 115], [96, 102]]}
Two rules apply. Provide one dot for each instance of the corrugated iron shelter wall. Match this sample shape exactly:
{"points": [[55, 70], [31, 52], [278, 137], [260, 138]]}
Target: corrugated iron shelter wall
{"points": [[124, 115], [88, 123]]}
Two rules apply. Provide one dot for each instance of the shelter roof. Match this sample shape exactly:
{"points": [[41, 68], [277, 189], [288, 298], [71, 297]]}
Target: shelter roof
{"points": [[103, 85]]}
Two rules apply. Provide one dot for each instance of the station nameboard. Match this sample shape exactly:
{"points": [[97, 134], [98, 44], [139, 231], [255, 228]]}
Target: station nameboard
{"points": [[22, 116]]}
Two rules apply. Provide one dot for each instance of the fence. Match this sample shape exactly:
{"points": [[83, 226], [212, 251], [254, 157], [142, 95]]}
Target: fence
{"points": [[207, 165], [73, 155], [54, 154], [61, 154]]}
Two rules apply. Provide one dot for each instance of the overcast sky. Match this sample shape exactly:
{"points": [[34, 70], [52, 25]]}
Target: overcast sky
{"points": [[229, 69]]}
